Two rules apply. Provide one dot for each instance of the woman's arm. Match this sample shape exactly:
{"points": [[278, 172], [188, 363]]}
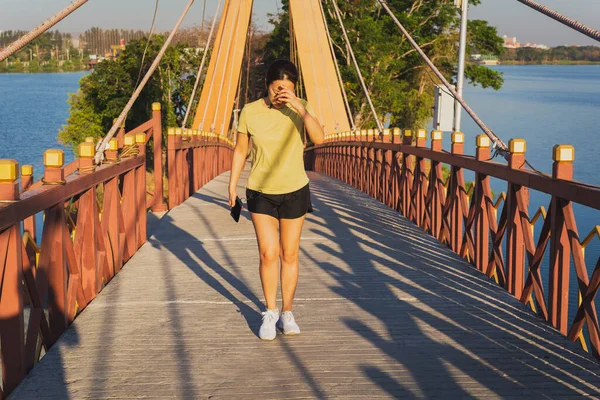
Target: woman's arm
{"points": [[315, 132], [237, 165], [314, 129]]}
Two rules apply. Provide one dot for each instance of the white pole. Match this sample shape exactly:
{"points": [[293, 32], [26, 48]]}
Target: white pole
{"points": [[460, 79]]}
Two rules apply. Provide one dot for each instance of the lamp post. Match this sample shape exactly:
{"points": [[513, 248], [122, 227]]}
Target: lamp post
{"points": [[462, 48]]}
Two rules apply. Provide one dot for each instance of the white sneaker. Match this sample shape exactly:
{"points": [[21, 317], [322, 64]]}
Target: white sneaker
{"points": [[287, 324], [267, 330]]}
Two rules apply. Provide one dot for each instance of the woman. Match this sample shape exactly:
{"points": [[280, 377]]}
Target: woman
{"points": [[277, 191]]}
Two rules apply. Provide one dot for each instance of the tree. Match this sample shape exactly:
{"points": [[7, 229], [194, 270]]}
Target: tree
{"points": [[399, 82], [83, 121], [105, 92]]}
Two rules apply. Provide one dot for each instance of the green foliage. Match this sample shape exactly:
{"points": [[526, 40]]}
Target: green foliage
{"points": [[105, 92], [34, 66], [399, 82], [82, 122]]}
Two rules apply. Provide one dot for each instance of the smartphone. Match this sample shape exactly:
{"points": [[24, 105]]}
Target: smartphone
{"points": [[237, 209]]}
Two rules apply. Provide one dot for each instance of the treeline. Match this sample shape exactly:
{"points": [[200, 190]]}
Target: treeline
{"points": [[53, 45], [98, 41], [553, 55]]}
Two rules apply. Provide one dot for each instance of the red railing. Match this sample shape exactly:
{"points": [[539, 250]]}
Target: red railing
{"points": [[94, 221], [400, 171], [194, 159]]}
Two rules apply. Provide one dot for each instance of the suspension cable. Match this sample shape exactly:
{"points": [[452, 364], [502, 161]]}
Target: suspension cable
{"points": [[360, 77], [231, 38], [229, 81], [312, 64], [102, 144], [40, 29], [570, 22], [500, 145], [198, 76], [202, 25], [249, 61], [322, 52], [147, 44], [337, 68], [212, 81]]}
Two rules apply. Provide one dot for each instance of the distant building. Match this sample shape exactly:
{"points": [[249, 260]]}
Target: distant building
{"points": [[511, 42]]}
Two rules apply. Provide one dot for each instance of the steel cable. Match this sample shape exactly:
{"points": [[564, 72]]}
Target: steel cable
{"points": [[570, 22], [147, 44]]}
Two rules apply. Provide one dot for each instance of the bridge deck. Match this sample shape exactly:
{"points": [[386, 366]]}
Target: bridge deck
{"points": [[385, 310]]}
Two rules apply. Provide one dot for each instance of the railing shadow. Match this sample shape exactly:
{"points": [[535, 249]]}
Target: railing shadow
{"points": [[459, 333]]}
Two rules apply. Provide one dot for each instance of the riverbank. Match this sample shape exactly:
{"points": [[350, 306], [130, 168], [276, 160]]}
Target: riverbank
{"points": [[562, 62], [46, 67]]}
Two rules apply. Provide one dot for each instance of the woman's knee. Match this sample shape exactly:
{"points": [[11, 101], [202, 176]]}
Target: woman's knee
{"points": [[289, 256], [269, 255]]}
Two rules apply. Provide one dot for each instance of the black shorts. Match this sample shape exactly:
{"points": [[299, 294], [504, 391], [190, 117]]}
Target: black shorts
{"points": [[281, 206]]}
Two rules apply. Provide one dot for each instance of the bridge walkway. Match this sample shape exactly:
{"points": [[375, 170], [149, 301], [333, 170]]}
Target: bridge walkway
{"points": [[386, 311]]}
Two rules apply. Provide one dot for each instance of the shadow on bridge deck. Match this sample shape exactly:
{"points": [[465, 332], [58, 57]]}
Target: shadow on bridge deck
{"points": [[386, 311]]}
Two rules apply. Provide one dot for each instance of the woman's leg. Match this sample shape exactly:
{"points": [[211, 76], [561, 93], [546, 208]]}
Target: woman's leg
{"points": [[290, 230], [268, 247]]}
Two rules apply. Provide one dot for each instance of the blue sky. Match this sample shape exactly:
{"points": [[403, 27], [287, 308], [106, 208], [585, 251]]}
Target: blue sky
{"points": [[511, 17]]}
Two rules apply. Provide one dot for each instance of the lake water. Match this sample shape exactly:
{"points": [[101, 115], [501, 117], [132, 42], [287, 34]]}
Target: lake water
{"points": [[546, 105], [33, 107]]}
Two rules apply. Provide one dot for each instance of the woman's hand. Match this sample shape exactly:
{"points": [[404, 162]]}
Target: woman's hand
{"points": [[232, 196], [287, 96]]}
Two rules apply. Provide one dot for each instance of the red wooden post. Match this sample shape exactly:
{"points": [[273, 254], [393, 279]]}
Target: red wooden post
{"points": [[85, 245], [435, 186], [179, 166], [515, 255], [140, 182], [354, 159], [456, 213], [397, 161], [560, 250], [387, 175], [196, 167], [420, 180], [120, 134], [380, 170], [112, 215], [55, 268], [129, 206], [172, 168], [482, 225], [370, 164], [12, 344], [159, 199], [407, 174], [29, 225]]}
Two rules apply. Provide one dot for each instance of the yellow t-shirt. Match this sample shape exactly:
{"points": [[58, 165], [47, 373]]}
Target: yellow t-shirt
{"points": [[277, 147]]}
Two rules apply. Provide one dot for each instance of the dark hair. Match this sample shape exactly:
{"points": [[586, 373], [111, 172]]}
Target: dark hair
{"points": [[282, 69]]}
